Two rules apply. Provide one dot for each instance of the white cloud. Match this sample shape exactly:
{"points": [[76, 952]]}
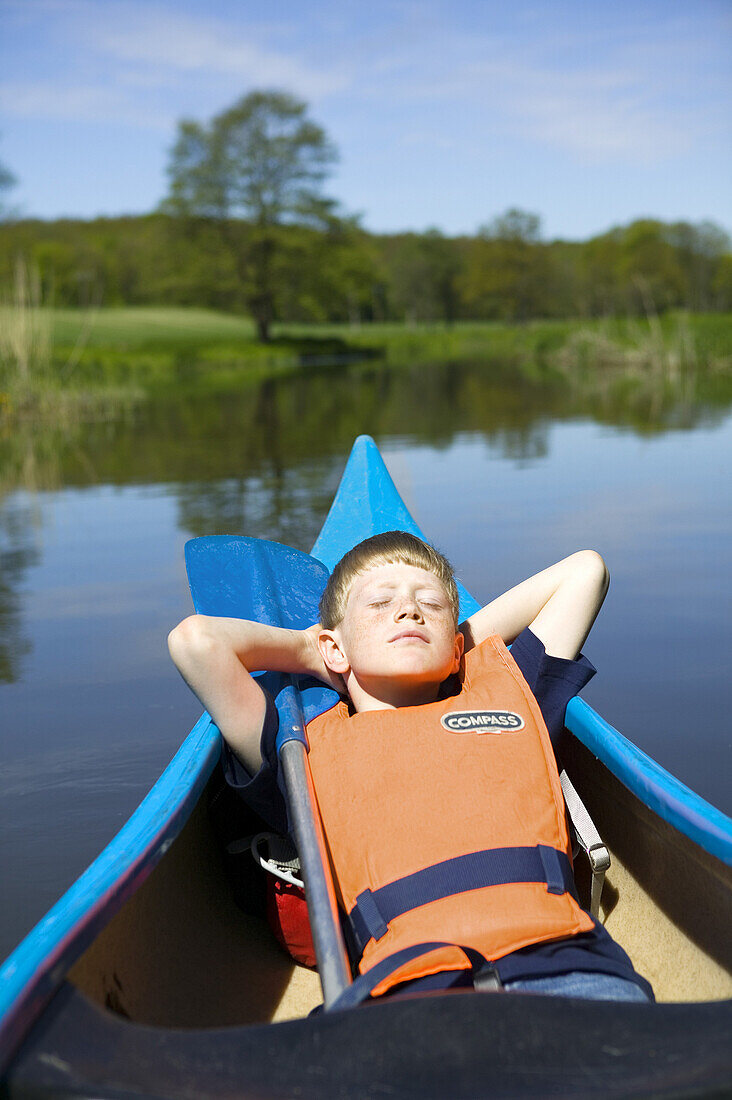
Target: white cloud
{"points": [[643, 95], [583, 119], [80, 103], [153, 36], [127, 61], [639, 90]]}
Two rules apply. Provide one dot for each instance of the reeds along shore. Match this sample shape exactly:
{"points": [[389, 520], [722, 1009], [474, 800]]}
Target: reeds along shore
{"points": [[37, 370]]}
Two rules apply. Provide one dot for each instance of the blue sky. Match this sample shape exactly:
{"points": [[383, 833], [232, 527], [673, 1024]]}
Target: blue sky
{"points": [[444, 113]]}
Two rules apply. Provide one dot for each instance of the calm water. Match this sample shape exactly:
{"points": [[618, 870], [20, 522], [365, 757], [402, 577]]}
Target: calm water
{"points": [[506, 475]]}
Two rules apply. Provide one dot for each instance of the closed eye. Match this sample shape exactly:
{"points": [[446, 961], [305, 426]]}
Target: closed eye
{"points": [[430, 600]]}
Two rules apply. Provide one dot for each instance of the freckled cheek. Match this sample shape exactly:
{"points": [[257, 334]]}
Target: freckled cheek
{"points": [[361, 643]]}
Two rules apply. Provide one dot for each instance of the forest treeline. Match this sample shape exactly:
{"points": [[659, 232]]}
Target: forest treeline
{"points": [[247, 228], [345, 274]]}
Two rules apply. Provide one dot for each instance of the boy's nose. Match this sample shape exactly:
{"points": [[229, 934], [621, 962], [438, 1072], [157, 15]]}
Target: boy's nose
{"points": [[408, 609]]}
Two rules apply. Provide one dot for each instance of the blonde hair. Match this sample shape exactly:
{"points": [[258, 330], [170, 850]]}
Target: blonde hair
{"points": [[388, 548]]}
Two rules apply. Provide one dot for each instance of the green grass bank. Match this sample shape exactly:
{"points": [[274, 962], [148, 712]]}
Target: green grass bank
{"points": [[68, 362]]}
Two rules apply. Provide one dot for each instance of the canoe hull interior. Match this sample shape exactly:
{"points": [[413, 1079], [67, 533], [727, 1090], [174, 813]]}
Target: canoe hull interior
{"points": [[180, 962], [666, 900], [181, 953]]}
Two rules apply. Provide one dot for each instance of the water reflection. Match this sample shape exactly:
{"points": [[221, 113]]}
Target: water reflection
{"points": [[272, 426], [261, 459], [285, 504]]}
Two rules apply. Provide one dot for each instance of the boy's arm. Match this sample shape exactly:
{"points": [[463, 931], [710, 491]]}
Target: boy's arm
{"points": [[560, 604], [216, 657]]}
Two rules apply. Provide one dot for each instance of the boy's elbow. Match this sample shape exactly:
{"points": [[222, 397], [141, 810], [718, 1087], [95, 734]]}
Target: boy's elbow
{"points": [[594, 569], [187, 639]]}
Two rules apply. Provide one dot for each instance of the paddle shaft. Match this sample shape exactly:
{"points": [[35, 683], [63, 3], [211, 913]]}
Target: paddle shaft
{"points": [[333, 967]]}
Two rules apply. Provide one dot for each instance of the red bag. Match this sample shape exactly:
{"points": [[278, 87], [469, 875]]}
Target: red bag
{"points": [[286, 908], [287, 913]]}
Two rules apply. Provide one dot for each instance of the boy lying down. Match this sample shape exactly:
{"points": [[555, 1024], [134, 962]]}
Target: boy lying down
{"points": [[435, 773]]}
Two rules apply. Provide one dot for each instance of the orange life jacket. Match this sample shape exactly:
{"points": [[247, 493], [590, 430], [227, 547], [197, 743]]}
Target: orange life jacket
{"points": [[446, 821]]}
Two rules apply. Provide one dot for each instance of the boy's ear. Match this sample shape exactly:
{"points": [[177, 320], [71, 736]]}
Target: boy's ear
{"points": [[332, 653], [459, 649]]}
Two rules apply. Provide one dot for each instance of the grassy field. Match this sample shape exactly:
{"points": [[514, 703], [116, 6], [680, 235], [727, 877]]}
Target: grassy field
{"points": [[171, 332], [71, 360]]}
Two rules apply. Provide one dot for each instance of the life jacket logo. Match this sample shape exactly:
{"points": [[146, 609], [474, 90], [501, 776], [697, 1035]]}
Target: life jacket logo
{"points": [[482, 721]]}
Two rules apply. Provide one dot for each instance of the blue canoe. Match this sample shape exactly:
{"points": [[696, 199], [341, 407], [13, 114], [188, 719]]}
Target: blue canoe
{"points": [[148, 979]]}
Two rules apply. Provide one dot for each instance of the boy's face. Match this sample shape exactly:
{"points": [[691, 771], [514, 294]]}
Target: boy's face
{"points": [[398, 629]]}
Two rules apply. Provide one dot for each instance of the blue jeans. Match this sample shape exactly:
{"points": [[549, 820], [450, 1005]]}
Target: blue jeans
{"points": [[580, 983]]}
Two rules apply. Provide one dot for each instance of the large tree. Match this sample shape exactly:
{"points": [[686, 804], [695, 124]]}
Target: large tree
{"points": [[253, 169]]}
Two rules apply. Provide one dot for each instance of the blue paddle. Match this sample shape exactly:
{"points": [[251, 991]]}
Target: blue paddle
{"points": [[274, 584]]}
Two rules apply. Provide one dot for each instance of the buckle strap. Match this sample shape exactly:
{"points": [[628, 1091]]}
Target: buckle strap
{"points": [[374, 910], [371, 916], [588, 839], [485, 976], [552, 869]]}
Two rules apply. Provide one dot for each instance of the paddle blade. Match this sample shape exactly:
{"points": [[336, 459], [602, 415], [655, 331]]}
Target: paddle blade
{"points": [[247, 578]]}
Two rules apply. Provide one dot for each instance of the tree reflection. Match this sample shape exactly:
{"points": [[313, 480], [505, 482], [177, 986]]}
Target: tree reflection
{"points": [[266, 458], [18, 551]]}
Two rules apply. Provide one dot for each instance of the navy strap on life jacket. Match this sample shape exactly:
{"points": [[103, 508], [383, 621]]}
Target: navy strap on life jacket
{"points": [[484, 974], [373, 911]]}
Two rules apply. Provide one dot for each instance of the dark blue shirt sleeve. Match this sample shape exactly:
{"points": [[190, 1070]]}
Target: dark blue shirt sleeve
{"points": [[553, 680], [262, 792]]}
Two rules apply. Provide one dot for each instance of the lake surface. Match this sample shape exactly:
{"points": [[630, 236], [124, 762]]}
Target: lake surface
{"points": [[505, 472]]}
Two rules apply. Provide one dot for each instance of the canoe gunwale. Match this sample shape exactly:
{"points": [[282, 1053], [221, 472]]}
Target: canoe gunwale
{"points": [[34, 971], [661, 792]]}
